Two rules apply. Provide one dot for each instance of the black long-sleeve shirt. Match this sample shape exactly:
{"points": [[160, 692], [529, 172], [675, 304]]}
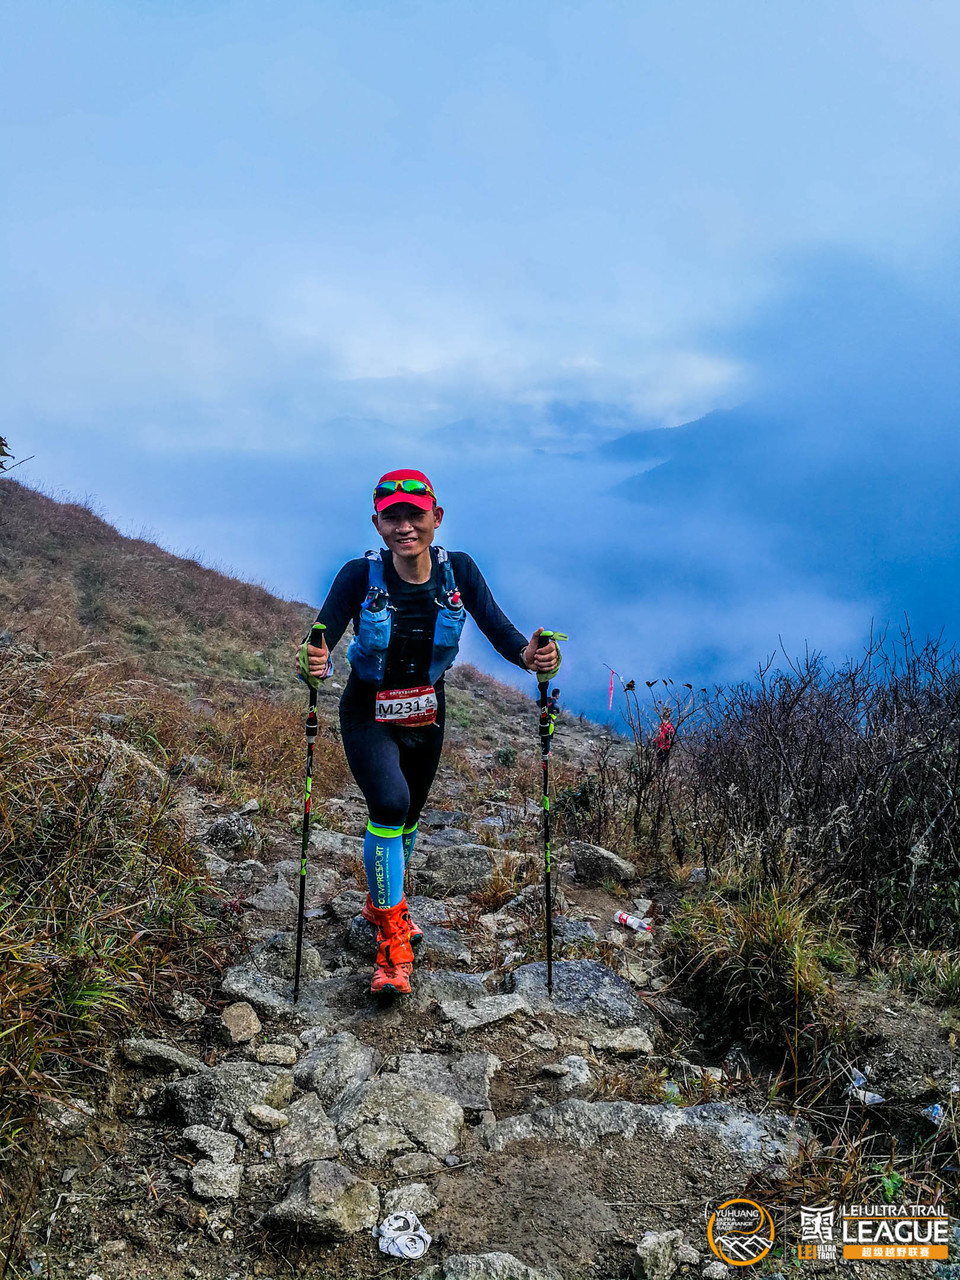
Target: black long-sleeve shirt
{"points": [[411, 632]]}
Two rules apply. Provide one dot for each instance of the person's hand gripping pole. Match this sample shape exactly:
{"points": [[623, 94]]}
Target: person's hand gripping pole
{"points": [[312, 680], [548, 716]]}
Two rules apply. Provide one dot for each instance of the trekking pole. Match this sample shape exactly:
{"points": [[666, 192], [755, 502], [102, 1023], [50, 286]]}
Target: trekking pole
{"points": [[548, 715], [316, 640]]}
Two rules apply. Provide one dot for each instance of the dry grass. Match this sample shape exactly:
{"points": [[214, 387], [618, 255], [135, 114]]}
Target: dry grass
{"points": [[101, 892]]}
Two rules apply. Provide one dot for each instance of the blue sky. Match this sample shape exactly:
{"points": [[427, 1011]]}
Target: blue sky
{"points": [[255, 254]]}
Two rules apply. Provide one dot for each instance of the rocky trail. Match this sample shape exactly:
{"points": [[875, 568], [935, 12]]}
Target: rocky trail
{"points": [[243, 1135]]}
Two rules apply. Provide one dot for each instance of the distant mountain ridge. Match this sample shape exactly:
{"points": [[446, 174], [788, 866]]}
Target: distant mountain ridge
{"points": [[67, 578]]}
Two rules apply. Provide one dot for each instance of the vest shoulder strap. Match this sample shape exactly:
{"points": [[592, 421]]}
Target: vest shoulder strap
{"points": [[375, 571], [446, 571]]}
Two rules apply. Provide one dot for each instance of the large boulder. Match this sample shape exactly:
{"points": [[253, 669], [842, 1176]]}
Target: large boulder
{"points": [[457, 869], [309, 1136], [428, 1119], [468, 1015], [463, 1077], [584, 989], [327, 1202], [758, 1139], [228, 1091], [340, 1062], [593, 864]]}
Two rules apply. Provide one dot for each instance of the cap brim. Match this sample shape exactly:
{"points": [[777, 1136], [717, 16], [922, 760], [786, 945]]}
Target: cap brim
{"points": [[425, 503]]}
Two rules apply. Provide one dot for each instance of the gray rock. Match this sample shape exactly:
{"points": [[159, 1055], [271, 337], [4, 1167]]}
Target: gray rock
{"points": [[211, 1180], [309, 1136], [416, 1165], [444, 838], [362, 937], [464, 1077], [250, 806], [583, 988], [543, 1040], [322, 882], [626, 1042], [278, 956], [567, 930], [321, 1000], [642, 908], [446, 944], [415, 1197], [254, 867], [480, 1012], [374, 1143], [346, 905], [276, 897], [232, 831], [573, 1073], [716, 1270], [240, 1022], [226, 1091], [593, 864], [159, 1056], [428, 910], [217, 867], [457, 869], [186, 1008], [69, 1117], [217, 1146], [441, 818], [660, 1254], [276, 1055], [698, 875], [429, 1119], [266, 1119], [581, 1124], [335, 842], [485, 1266], [336, 1064], [327, 1202], [190, 765]]}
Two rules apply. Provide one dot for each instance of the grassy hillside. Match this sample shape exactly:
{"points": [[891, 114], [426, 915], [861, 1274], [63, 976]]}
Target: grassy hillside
{"points": [[68, 578]]}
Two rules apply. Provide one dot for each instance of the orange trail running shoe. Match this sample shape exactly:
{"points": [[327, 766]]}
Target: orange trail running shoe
{"points": [[391, 972]]}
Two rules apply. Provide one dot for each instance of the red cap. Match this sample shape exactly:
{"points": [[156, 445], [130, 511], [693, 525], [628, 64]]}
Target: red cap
{"points": [[424, 501]]}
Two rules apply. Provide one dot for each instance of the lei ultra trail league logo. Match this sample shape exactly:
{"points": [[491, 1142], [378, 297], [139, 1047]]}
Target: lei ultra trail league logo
{"points": [[741, 1232]]}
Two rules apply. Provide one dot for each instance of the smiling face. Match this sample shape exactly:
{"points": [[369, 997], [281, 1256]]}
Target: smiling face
{"points": [[407, 530]]}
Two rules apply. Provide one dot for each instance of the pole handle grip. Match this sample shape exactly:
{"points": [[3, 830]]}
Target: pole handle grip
{"points": [[316, 634]]}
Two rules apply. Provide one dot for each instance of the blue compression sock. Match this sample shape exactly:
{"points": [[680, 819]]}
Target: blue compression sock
{"points": [[409, 835], [383, 863]]}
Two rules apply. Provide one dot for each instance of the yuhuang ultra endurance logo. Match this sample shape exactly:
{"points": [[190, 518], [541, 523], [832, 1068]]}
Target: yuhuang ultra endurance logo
{"points": [[740, 1232]]}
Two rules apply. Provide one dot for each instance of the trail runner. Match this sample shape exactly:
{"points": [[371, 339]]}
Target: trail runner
{"points": [[408, 605]]}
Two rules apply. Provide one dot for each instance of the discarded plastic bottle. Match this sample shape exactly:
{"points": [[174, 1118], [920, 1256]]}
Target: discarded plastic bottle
{"points": [[633, 922]]}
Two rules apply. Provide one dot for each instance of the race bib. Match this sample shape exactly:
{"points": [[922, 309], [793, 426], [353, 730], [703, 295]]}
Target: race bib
{"points": [[407, 706]]}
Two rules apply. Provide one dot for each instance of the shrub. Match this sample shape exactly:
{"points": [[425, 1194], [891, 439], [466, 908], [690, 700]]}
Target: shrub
{"points": [[760, 961]]}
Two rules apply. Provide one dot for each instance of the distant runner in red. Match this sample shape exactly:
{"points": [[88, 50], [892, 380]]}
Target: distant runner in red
{"points": [[408, 604], [665, 738]]}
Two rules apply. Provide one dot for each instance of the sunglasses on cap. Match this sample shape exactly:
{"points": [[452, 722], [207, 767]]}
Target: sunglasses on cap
{"points": [[415, 487]]}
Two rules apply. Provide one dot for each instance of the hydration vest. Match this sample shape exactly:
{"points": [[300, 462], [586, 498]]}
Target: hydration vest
{"points": [[367, 652]]}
